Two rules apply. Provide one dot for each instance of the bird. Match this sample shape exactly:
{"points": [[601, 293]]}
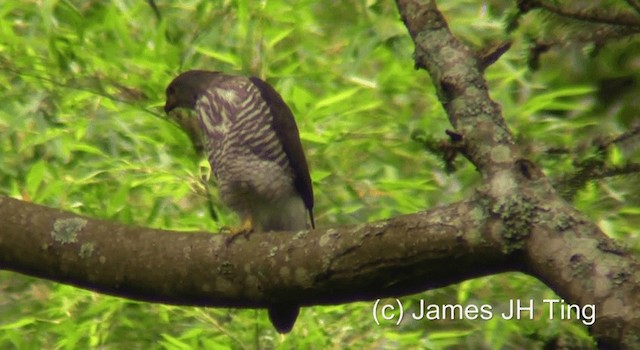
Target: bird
{"points": [[254, 149]]}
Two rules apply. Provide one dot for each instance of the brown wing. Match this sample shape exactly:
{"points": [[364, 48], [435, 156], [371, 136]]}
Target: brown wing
{"points": [[287, 131]]}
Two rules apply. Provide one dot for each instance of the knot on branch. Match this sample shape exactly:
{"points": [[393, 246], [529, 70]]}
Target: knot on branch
{"points": [[528, 169], [449, 88]]}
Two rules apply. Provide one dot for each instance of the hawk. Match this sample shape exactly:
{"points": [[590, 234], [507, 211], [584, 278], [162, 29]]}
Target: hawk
{"points": [[253, 146]]}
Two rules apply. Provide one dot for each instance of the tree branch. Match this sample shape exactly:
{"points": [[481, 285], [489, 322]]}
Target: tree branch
{"points": [[594, 165], [569, 185], [583, 14], [395, 257], [457, 75], [625, 136], [521, 205], [635, 4]]}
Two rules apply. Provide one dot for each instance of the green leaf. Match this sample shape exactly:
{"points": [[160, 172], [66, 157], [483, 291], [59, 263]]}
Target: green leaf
{"points": [[34, 177], [18, 324], [337, 98], [311, 137], [225, 57], [278, 37], [174, 343], [615, 156]]}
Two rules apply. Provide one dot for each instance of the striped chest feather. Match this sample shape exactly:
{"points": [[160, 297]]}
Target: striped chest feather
{"points": [[238, 123]]}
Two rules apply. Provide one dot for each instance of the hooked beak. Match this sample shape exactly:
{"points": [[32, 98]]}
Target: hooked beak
{"points": [[169, 106]]}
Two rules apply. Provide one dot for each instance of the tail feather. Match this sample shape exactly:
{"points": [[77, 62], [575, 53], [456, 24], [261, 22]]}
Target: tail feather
{"points": [[283, 317]]}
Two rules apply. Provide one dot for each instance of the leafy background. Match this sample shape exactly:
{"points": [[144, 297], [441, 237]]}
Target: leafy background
{"points": [[82, 129]]}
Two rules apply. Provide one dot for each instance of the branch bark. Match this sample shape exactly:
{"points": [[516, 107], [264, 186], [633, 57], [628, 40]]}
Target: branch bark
{"points": [[399, 256], [521, 205]]}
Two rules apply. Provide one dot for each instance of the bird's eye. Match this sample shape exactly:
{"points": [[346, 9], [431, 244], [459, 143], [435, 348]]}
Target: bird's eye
{"points": [[171, 90]]}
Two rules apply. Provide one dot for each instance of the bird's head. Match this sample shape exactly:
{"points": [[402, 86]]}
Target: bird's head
{"points": [[184, 90]]}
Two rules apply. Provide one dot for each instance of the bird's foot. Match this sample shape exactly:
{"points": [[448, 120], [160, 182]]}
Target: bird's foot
{"points": [[243, 231]]}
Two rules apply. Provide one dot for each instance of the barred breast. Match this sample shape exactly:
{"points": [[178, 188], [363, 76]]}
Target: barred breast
{"points": [[253, 172]]}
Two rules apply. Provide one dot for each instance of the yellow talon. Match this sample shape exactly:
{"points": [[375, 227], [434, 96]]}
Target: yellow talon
{"points": [[244, 230], [246, 227]]}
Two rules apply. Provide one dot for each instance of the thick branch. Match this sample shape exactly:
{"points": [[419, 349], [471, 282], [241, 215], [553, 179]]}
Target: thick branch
{"points": [[396, 257], [399, 256], [560, 246]]}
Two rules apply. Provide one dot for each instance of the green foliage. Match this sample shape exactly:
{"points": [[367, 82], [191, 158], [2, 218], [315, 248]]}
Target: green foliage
{"points": [[81, 128]]}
